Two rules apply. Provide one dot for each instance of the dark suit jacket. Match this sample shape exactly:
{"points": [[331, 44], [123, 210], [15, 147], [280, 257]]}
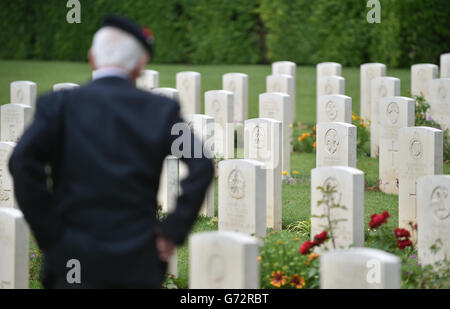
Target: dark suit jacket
{"points": [[105, 143]]}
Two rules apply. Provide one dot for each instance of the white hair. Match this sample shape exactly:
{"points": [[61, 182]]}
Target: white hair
{"points": [[114, 47]]}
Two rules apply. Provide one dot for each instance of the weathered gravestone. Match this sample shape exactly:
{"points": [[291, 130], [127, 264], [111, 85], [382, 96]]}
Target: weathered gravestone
{"points": [[368, 72], [189, 86], [65, 86], [348, 183], [440, 101], [334, 108], [421, 153], [7, 198], [395, 113], [382, 87], [360, 268], [202, 127], [23, 92], [421, 75], [148, 80], [15, 118], [288, 68], [433, 214], [237, 83], [219, 105], [242, 197], [223, 260], [335, 144], [445, 65], [14, 249], [263, 142], [276, 106]]}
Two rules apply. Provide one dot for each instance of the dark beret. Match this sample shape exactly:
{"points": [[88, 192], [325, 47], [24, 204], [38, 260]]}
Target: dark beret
{"points": [[143, 35]]}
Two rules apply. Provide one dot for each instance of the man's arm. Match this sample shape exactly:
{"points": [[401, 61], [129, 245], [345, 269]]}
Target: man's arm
{"points": [[201, 172], [38, 147]]}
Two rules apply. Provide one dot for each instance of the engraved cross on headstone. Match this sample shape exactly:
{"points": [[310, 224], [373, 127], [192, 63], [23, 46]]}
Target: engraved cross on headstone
{"points": [[393, 151]]}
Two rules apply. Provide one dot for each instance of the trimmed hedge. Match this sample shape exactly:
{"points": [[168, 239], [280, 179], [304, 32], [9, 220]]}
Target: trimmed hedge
{"points": [[238, 31]]}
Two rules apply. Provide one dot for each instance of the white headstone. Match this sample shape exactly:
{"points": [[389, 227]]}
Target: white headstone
{"points": [[7, 198], [335, 144], [445, 65], [288, 68], [14, 248], [223, 260], [421, 153], [395, 113], [433, 215], [189, 86], [334, 108], [369, 71], [203, 128], [24, 92], [421, 75], [238, 84], [148, 80], [170, 93], [283, 84], [382, 87], [15, 118], [219, 105], [242, 197], [440, 101], [263, 142], [349, 185], [360, 268], [65, 86], [276, 106]]}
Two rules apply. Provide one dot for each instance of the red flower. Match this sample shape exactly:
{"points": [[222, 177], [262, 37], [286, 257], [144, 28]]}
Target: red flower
{"points": [[376, 220], [400, 233], [307, 246], [402, 244], [321, 238]]}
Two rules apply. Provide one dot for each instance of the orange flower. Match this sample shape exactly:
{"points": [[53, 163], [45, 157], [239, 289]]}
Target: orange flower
{"points": [[297, 281], [259, 258], [278, 279], [279, 242], [313, 256], [314, 145]]}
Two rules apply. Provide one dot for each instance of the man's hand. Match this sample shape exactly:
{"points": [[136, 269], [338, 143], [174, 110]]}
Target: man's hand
{"points": [[165, 248]]}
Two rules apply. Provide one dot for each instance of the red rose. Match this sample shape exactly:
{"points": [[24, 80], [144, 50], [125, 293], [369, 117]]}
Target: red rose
{"points": [[321, 238], [402, 244], [400, 233], [306, 247], [376, 220]]}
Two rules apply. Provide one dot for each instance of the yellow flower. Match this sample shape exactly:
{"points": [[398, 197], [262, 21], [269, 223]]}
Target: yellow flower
{"points": [[295, 173], [363, 124], [296, 239], [313, 256], [259, 258], [284, 173], [297, 281], [353, 117], [290, 125], [314, 128], [278, 279]]}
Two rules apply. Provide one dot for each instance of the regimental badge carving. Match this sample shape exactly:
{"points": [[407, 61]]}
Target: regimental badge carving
{"points": [[259, 137], [236, 184], [20, 96], [382, 91], [421, 75], [416, 147], [332, 183], [332, 141], [328, 88], [186, 84], [232, 86], [392, 112], [216, 106], [331, 110], [439, 203], [216, 270], [442, 93]]}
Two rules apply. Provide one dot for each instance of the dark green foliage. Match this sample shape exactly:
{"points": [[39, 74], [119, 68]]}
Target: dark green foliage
{"points": [[238, 31]]}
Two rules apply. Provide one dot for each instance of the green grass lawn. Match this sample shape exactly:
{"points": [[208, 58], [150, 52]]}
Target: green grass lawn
{"points": [[296, 196]]}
